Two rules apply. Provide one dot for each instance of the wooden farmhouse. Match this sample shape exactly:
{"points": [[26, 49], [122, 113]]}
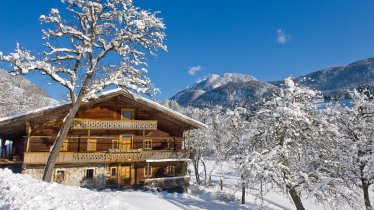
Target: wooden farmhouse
{"points": [[118, 140]]}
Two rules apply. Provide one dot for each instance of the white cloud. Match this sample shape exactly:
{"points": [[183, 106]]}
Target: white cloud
{"points": [[194, 69], [282, 37]]}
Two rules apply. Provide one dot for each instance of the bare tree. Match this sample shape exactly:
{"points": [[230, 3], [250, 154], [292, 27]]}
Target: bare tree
{"points": [[102, 43]]}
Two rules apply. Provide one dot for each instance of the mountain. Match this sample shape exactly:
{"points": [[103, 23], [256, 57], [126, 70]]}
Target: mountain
{"points": [[233, 89], [18, 94], [228, 90], [334, 82]]}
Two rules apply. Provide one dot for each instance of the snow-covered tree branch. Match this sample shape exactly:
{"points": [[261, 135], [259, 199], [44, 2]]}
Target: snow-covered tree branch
{"points": [[355, 144], [100, 44], [293, 149]]}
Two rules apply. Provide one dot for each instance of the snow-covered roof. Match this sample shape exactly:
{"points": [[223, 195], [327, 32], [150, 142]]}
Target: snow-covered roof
{"points": [[35, 111], [111, 93]]}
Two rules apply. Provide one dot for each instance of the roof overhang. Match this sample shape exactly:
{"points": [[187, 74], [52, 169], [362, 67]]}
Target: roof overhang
{"points": [[11, 125]]}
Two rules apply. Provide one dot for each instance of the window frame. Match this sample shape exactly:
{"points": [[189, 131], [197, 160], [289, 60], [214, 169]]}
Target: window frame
{"points": [[56, 175], [111, 171], [170, 142], [85, 173], [121, 140], [128, 110], [170, 170], [145, 145], [113, 141]]}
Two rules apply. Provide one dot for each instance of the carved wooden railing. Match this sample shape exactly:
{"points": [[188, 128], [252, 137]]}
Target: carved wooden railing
{"points": [[114, 124], [103, 157], [166, 182]]}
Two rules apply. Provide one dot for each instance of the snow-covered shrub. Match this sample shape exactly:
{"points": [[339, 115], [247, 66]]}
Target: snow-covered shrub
{"points": [[196, 189], [226, 196]]}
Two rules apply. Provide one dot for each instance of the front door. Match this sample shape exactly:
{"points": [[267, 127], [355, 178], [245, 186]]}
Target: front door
{"points": [[125, 175]]}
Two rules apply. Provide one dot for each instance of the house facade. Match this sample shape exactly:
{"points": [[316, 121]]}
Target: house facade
{"points": [[118, 140]]}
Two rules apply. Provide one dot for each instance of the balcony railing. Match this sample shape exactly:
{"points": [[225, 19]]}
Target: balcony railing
{"points": [[108, 143], [114, 124], [104, 157], [168, 182]]}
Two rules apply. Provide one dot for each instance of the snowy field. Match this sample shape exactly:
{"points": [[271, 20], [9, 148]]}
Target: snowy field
{"points": [[23, 192], [272, 200]]}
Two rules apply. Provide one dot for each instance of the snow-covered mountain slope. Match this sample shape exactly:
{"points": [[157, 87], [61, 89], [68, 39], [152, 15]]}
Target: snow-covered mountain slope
{"points": [[335, 81], [238, 89], [227, 90], [18, 95]]}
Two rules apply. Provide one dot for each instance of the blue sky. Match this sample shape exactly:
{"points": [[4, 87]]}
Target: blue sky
{"points": [[266, 39]]}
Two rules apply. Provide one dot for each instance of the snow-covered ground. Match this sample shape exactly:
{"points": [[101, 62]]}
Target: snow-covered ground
{"points": [[272, 200], [19, 191]]}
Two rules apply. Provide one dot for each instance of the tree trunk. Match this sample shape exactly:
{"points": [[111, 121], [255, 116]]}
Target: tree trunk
{"points": [[296, 199], [195, 164], [243, 194], [205, 181], [221, 178], [53, 155], [365, 188], [210, 174]]}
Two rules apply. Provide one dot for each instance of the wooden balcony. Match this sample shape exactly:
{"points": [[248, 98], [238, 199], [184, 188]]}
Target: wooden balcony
{"points": [[92, 124], [104, 157]]}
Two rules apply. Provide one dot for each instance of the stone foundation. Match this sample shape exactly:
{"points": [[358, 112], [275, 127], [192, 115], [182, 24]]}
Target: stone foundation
{"points": [[75, 176]]}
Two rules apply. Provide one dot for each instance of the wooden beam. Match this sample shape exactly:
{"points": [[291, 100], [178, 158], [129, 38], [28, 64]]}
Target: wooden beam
{"points": [[2, 146], [4, 152], [28, 130]]}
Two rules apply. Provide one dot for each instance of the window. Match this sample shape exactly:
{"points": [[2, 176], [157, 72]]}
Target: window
{"points": [[60, 176], [147, 144], [91, 145], [147, 170], [170, 144], [113, 171], [125, 142], [127, 114], [170, 170], [89, 173], [115, 144], [65, 146]]}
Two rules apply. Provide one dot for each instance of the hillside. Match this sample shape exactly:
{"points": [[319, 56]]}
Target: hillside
{"points": [[20, 95], [227, 90], [336, 81]]}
